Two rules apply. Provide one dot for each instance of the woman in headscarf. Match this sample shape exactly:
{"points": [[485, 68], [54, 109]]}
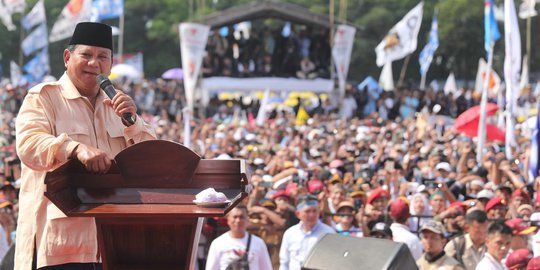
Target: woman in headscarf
{"points": [[419, 207]]}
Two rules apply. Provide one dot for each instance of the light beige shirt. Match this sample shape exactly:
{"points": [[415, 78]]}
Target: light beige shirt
{"points": [[471, 256], [54, 118], [443, 263]]}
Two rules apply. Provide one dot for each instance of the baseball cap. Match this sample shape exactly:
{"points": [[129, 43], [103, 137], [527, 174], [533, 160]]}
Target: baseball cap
{"points": [[534, 263], [433, 226], [315, 185], [519, 227], [381, 228], [521, 193], [377, 193], [280, 193], [494, 202], [518, 259], [444, 166], [485, 194], [345, 203], [306, 201], [399, 209]]}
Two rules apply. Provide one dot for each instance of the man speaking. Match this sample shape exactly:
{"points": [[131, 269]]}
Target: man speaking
{"points": [[69, 119]]}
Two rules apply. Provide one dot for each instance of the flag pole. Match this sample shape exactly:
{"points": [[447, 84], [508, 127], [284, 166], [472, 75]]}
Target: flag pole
{"points": [[483, 105], [121, 40], [423, 81], [403, 70], [528, 45]]}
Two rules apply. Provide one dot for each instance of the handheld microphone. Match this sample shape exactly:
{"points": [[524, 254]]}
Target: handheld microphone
{"points": [[107, 87]]}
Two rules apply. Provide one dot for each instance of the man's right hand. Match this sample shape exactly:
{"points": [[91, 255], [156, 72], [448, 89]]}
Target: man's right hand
{"points": [[93, 159]]}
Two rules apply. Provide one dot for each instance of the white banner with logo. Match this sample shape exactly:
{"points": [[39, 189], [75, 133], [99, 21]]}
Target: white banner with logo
{"points": [[193, 38], [401, 40], [74, 12], [341, 52]]}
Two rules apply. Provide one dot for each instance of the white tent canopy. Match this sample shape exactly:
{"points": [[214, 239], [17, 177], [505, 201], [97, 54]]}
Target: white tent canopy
{"points": [[227, 84]]}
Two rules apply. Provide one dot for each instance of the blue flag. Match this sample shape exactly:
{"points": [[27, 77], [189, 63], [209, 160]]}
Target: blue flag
{"points": [[534, 158], [491, 30], [36, 40], [38, 66], [426, 56], [371, 84], [107, 9]]}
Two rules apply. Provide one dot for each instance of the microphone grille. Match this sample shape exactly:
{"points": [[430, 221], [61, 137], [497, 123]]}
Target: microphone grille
{"points": [[100, 79]]}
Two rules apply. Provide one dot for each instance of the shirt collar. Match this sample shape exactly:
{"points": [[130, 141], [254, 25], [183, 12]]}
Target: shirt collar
{"points": [[494, 261], [69, 90]]}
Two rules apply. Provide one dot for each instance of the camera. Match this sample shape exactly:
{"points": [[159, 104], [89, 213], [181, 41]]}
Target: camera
{"points": [[357, 203]]}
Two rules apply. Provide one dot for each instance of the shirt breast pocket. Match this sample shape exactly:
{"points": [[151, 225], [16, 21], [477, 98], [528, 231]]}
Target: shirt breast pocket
{"points": [[116, 139], [74, 129]]}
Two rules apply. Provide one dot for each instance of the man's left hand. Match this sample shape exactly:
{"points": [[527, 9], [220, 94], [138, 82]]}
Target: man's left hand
{"points": [[122, 103]]}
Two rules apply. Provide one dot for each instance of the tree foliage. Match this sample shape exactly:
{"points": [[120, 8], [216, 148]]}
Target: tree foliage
{"points": [[151, 27]]}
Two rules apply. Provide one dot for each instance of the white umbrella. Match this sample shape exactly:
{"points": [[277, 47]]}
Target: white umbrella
{"points": [[126, 71]]}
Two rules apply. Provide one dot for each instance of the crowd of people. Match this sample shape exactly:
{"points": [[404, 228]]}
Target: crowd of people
{"points": [[301, 52], [379, 164], [407, 177]]}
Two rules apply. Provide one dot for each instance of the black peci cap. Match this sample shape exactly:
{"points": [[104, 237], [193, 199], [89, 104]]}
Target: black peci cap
{"points": [[92, 34]]}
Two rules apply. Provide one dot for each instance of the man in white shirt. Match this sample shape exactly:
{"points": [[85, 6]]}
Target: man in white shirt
{"points": [[399, 212], [498, 244], [232, 245], [299, 239]]}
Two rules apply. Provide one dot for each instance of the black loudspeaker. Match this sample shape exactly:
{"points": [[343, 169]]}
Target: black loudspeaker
{"points": [[334, 251]]}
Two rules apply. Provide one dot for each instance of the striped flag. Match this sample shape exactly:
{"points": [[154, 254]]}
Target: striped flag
{"points": [[34, 17], [426, 56], [74, 12], [36, 40]]}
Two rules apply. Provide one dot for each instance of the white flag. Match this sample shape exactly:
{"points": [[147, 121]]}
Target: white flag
{"points": [[494, 83], [36, 40], [341, 52], [74, 12], [193, 38], [261, 115], [512, 65], [526, 9], [15, 6], [386, 79], [401, 40], [15, 72], [524, 73], [5, 17], [35, 16], [450, 86]]}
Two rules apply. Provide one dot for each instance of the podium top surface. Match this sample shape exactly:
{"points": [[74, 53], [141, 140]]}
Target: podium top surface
{"points": [[151, 178]]}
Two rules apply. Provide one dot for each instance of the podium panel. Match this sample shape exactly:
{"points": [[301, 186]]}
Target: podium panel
{"points": [[143, 206]]}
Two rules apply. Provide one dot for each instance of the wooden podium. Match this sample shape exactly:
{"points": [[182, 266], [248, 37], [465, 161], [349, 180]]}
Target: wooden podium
{"points": [[143, 207]]}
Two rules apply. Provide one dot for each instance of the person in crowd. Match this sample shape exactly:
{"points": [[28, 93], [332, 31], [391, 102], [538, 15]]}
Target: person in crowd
{"points": [[381, 230], [496, 208], [468, 249], [419, 207], [498, 244], [518, 259], [433, 239], [299, 239], [346, 216], [69, 119], [399, 212], [521, 232], [234, 244]]}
